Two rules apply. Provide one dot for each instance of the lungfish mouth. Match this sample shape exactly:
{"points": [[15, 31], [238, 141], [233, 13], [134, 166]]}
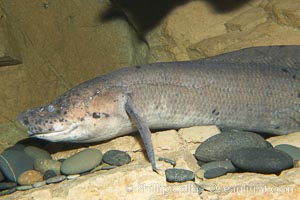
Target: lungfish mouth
{"points": [[54, 135]]}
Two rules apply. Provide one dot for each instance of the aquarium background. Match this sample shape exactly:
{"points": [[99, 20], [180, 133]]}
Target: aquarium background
{"points": [[47, 47]]}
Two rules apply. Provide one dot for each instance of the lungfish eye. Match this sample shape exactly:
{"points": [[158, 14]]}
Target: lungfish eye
{"points": [[50, 108]]}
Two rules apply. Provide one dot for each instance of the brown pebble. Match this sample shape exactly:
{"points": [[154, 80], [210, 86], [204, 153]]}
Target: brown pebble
{"points": [[29, 177]]}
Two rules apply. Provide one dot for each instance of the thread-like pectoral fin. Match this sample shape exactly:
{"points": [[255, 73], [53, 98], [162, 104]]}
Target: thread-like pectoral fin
{"points": [[144, 132]]}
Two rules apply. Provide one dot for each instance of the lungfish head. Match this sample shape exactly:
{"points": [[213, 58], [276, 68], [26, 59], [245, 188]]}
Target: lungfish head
{"points": [[85, 116]]}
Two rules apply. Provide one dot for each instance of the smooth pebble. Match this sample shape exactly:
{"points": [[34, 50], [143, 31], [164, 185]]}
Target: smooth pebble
{"points": [[226, 164], [220, 146], [39, 184], [269, 145], [261, 160], [167, 160], [42, 165], [289, 149], [56, 179], [35, 152], [49, 174], [179, 175], [81, 162], [116, 157], [24, 187], [13, 163], [214, 172], [16, 147], [29, 177], [200, 162]]}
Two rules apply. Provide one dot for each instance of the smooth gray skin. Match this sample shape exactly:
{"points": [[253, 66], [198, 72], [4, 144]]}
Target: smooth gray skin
{"points": [[254, 89]]}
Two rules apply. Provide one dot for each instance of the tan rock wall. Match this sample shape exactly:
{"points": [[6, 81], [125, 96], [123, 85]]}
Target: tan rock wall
{"points": [[62, 43]]}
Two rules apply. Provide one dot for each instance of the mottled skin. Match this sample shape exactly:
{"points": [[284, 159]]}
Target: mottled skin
{"points": [[255, 89]]}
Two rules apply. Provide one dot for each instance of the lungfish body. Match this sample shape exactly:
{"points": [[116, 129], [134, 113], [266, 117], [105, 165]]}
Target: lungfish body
{"points": [[255, 89]]}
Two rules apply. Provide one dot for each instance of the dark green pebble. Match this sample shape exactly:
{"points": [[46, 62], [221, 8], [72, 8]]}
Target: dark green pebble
{"points": [[8, 191], [220, 146], [14, 163], [35, 152], [261, 160], [81, 162], [116, 157], [226, 164], [56, 179], [39, 184], [7, 185], [179, 175], [289, 149], [214, 172], [167, 160], [49, 174], [24, 187]]}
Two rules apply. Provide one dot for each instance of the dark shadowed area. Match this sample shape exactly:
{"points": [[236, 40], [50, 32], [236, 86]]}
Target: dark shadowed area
{"points": [[144, 15]]}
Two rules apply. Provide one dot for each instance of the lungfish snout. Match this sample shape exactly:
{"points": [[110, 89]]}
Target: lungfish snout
{"points": [[23, 119]]}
